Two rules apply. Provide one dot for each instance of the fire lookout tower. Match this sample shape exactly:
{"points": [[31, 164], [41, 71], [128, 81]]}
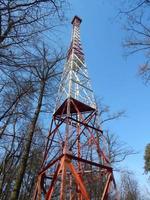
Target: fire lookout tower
{"points": [[75, 164]]}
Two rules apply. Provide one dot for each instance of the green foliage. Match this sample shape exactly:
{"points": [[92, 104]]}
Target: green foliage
{"points": [[147, 158]]}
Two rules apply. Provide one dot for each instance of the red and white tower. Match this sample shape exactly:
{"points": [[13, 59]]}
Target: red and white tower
{"points": [[75, 164]]}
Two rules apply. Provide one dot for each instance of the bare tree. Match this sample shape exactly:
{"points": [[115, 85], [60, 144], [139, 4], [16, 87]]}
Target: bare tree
{"points": [[21, 20], [136, 14], [28, 81], [44, 70], [129, 188], [116, 150]]}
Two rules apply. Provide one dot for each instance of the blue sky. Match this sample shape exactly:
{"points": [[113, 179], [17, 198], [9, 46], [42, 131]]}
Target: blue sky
{"points": [[114, 77]]}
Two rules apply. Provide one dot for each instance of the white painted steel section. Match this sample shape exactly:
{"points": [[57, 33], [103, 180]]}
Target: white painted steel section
{"points": [[75, 81]]}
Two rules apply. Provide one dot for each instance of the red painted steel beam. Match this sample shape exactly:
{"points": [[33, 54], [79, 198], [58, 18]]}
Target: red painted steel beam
{"points": [[87, 125], [50, 164], [90, 162]]}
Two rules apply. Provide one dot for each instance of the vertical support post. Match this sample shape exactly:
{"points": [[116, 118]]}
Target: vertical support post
{"points": [[70, 185], [63, 179], [79, 154], [105, 193]]}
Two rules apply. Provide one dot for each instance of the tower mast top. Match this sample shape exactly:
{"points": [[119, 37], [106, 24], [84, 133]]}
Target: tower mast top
{"points": [[76, 21]]}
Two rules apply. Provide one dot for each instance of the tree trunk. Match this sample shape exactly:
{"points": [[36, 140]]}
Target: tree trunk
{"points": [[27, 146]]}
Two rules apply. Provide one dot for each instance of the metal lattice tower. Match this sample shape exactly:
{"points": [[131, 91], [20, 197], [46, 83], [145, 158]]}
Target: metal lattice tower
{"points": [[75, 81], [75, 164]]}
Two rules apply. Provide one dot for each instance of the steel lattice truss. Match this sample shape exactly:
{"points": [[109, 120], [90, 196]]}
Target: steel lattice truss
{"points": [[75, 81], [75, 164]]}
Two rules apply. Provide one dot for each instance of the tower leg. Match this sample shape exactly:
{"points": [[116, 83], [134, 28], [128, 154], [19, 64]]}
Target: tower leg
{"points": [[51, 189], [63, 180], [106, 189]]}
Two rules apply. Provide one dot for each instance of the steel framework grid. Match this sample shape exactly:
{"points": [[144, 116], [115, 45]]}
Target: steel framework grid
{"points": [[75, 165]]}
